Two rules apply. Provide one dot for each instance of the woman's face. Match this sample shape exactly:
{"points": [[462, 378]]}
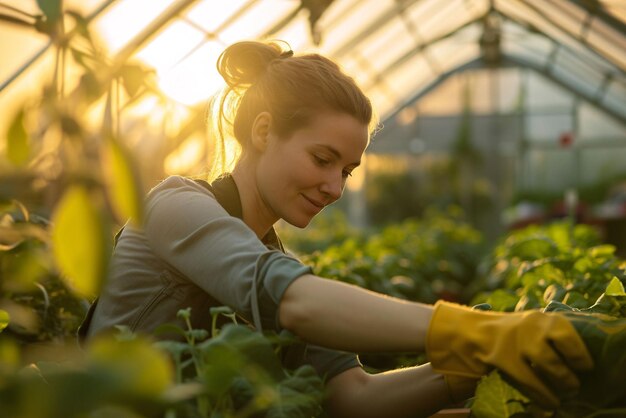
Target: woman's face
{"points": [[298, 176]]}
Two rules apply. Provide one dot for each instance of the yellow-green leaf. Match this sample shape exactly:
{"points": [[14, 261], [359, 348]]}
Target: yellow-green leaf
{"points": [[4, 319], [124, 186], [18, 149], [615, 288], [80, 240], [139, 367]]}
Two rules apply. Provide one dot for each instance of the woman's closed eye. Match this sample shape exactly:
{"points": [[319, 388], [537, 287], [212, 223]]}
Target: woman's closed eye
{"points": [[322, 162]]}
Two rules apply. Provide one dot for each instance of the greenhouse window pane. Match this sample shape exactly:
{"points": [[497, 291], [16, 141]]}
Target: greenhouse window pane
{"points": [[297, 33], [519, 12], [594, 124], [530, 48], [456, 50], [170, 46], [615, 8], [390, 42], [509, 90], [18, 47], [608, 41], [212, 14], [434, 19], [598, 164], [552, 170], [257, 20], [407, 79], [484, 92], [353, 65], [124, 20], [359, 20], [615, 97], [563, 13], [382, 100], [547, 128], [196, 78], [542, 94], [574, 72], [446, 99]]}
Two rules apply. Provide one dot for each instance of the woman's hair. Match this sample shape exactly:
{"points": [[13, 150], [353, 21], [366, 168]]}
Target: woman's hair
{"points": [[267, 77]]}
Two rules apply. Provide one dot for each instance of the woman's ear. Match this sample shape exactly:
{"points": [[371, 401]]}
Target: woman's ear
{"points": [[261, 131]]}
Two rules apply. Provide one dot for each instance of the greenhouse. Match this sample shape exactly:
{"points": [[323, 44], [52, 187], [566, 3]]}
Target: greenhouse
{"points": [[447, 179]]}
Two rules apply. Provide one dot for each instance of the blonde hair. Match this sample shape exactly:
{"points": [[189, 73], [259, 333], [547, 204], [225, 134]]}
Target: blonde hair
{"points": [[267, 77]]}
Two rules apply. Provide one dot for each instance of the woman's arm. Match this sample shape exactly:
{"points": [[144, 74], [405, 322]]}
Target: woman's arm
{"points": [[335, 314], [412, 392]]}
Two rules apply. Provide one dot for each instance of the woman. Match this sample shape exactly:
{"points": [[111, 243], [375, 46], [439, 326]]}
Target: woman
{"points": [[303, 126]]}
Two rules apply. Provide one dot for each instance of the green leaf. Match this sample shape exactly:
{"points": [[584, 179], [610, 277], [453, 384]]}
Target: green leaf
{"points": [[80, 240], [133, 76], [605, 338], [18, 148], [51, 8], [135, 365], [495, 398], [615, 288], [124, 186], [533, 248], [4, 319], [300, 395], [503, 300]]}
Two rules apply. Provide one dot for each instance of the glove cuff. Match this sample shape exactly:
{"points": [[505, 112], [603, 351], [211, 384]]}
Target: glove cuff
{"points": [[450, 344]]}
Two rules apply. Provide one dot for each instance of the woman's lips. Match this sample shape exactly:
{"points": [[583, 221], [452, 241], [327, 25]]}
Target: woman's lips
{"points": [[315, 203]]}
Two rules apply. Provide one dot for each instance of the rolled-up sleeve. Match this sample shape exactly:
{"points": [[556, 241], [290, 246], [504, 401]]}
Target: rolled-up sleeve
{"points": [[188, 229]]}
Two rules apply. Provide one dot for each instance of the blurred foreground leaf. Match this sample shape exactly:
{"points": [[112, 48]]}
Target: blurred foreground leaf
{"points": [[124, 187], [18, 149], [4, 319], [615, 288], [80, 240], [134, 365]]}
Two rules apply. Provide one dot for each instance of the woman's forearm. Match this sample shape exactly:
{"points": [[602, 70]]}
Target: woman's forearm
{"points": [[411, 392], [346, 317]]}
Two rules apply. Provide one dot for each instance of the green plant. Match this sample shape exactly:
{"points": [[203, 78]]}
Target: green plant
{"points": [[602, 392], [237, 373], [561, 268], [538, 264]]}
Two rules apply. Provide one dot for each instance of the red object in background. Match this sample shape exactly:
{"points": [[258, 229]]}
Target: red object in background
{"points": [[566, 139]]}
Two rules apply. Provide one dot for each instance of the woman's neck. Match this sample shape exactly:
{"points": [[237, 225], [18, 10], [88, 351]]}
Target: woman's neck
{"points": [[256, 214]]}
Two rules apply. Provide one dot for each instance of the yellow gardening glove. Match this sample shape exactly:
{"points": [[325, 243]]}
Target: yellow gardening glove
{"points": [[539, 351]]}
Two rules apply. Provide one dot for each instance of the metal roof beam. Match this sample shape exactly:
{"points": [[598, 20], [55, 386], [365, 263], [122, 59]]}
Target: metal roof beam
{"points": [[507, 62], [377, 24], [533, 29], [582, 41], [595, 8]]}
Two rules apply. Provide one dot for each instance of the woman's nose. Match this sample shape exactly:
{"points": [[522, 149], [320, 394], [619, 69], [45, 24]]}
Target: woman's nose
{"points": [[333, 186]]}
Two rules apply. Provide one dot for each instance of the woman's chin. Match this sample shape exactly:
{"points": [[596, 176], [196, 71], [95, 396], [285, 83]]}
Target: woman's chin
{"points": [[300, 222]]}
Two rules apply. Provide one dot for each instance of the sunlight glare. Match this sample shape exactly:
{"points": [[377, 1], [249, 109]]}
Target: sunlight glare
{"points": [[186, 156], [126, 19], [195, 79]]}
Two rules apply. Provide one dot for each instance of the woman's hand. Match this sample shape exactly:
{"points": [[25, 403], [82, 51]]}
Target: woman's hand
{"points": [[539, 351]]}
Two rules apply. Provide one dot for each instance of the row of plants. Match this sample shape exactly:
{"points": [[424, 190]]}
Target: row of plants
{"points": [[237, 374], [561, 268], [426, 259]]}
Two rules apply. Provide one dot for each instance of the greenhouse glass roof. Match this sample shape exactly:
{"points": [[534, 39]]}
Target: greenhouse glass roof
{"points": [[398, 50]]}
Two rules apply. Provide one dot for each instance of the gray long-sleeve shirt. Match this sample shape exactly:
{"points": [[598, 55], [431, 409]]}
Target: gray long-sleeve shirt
{"points": [[191, 252]]}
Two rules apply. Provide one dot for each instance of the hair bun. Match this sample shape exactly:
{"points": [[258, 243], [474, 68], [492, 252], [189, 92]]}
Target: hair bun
{"points": [[242, 63]]}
